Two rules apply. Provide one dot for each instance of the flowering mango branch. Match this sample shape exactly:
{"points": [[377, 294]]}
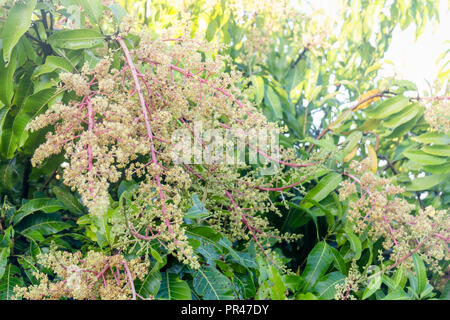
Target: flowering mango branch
{"points": [[137, 85]]}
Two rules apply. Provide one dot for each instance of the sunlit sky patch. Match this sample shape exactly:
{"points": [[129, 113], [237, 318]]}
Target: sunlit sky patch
{"points": [[412, 59]]}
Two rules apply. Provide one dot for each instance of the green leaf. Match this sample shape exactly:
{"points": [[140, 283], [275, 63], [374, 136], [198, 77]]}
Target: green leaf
{"points": [[338, 260], [5, 248], [197, 210], [211, 30], [10, 280], [17, 23], [51, 64], [402, 117], [325, 186], [211, 284], [445, 294], [258, 85], [151, 283], [326, 286], [442, 169], [6, 80], [156, 255], [388, 107], [374, 284], [425, 183], [420, 273], [4, 255], [355, 245], [41, 223], [173, 288], [93, 8], [118, 11], [318, 263], [33, 106], [278, 289], [433, 137], [273, 101], [437, 150], [76, 39], [400, 278], [324, 144], [69, 200], [306, 296], [9, 176], [340, 120], [397, 294], [424, 158], [46, 205], [351, 142]]}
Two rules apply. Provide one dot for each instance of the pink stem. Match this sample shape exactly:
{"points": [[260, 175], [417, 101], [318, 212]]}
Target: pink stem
{"points": [[134, 73], [130, 280], [390, 230]]}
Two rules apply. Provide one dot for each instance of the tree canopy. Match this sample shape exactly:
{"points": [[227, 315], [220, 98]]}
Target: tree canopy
{"points": [[96, 203]]}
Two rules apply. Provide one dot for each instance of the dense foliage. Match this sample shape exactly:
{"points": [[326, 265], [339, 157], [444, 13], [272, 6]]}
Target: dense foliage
{"points": [[96, 203]]}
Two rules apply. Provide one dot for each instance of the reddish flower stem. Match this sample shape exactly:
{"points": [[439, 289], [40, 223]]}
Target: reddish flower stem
{"points": [[130, 280], [134, 74]]}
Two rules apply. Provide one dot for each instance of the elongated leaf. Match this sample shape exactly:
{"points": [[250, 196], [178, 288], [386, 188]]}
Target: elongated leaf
{"points": [[355, 245], [365, 96], [258, 84], [5, 248], [318, 262], [151, 283], [69, 200], [442, 169], [9, 176], [374, 283], [434, 137], [420, 273], [273, 101], [46, 205], [76, 39], [197, 210], [295, 81], [339, 262], [32, 107], [278, 289], [42, 223], [51, 64], [425, 183], [402, 117], [10, 280], [6, 80], [173, 288], [373, 163], [352, 142], [326, 286], [424, 158], [4, 255], [388, 107], [17, 23], [437, 150], [340, 120], [325, 186], [325, 144], [397, 294], [211, 284], [93, 8]]}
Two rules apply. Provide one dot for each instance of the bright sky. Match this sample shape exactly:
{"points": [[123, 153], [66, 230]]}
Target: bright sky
{"points": [[417, 60], [412, 60]]}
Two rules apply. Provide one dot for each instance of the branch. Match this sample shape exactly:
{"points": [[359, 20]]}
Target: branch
{"points": [[378, 94], [300, 56]]}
